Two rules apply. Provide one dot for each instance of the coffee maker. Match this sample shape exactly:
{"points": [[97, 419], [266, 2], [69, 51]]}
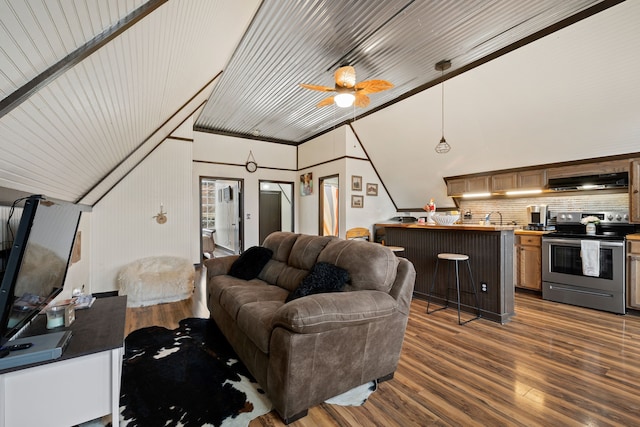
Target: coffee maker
{"points": [[537, 216]]}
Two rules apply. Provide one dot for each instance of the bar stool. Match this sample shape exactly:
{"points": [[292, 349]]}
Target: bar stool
{"points": [[455, 258]]}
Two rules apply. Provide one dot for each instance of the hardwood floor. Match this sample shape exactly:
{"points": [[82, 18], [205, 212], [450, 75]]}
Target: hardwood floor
{"points": [[552, 365]]}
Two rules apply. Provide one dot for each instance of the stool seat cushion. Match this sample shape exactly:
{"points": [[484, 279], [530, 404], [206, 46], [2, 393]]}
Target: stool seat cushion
{"points": [[453, 257]]}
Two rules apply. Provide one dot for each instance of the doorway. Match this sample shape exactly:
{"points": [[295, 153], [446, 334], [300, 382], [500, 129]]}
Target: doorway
{"points": [[275, 207], [329, 206], [221, 207]]}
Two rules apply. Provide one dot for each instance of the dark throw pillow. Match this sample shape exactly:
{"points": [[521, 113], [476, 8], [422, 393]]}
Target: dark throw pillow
{"points": [[250, 263], [323, 277]]}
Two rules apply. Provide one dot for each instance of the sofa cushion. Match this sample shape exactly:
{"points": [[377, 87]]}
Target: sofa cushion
{"points": [[301, 254], [323, 277], [255, 319], [280, 243], [233, 298], [250, 263], [306, 249], [370, 265], [324, 312], [217, 284]]}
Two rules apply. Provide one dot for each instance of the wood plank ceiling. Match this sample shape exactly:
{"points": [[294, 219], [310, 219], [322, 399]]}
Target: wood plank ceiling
{"points": [[79, 133], [84, 96]]}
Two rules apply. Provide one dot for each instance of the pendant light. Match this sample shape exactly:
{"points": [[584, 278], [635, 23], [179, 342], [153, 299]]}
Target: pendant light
{"points": [[443, 147]]}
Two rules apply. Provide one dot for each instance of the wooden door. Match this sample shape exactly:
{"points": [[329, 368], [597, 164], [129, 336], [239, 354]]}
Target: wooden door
{"points": [[270, 213]]}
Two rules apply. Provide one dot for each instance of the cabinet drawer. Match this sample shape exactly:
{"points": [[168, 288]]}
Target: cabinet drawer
{"points": [[634, 247], [533, 241]]}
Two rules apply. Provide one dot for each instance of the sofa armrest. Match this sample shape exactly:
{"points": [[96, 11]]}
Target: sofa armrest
{"points": [[219, 266], [327, 311]]}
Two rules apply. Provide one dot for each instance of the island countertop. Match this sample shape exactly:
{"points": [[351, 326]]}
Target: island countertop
{"points": [[474, 227]]}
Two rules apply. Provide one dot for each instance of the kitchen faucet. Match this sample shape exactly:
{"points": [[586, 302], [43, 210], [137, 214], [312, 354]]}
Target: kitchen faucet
{"points": [[486, 218]]}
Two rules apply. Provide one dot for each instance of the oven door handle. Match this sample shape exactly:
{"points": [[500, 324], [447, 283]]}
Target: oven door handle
{"points": [[576, 242]]}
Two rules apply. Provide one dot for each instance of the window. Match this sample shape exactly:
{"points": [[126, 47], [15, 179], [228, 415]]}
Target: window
{"points": [[208, 208]]}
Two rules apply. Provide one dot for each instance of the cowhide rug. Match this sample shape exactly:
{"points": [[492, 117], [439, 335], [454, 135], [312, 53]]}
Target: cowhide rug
{"points": [[191, 376]]}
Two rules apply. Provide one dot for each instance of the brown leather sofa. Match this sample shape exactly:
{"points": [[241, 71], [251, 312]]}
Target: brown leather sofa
{"points": [[316, 347]]}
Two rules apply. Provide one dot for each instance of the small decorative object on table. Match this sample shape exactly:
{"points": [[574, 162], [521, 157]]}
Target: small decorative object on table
{"points": [[590, 222], [431, 209]]}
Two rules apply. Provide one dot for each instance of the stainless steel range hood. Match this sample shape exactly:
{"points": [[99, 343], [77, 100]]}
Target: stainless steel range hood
{"points": [[590, 182]]}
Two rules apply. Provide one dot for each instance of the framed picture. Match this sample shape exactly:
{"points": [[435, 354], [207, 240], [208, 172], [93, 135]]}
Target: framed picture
{"points": [[306, 184], [76, 251], [357, 201], [356, 183], [372, 189]]}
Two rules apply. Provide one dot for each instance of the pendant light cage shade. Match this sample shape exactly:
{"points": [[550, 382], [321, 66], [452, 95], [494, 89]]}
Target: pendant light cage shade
{"points": [[443, 146]]}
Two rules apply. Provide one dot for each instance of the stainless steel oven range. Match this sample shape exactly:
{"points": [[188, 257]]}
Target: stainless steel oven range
{"points": [[586, 270]]}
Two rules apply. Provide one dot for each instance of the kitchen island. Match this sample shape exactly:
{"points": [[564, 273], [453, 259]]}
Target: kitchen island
{"points": [[490, 249]]}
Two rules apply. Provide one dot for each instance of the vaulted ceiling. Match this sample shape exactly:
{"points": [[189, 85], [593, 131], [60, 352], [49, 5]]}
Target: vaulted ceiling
{"points": [[290, 42], [89, 88]]}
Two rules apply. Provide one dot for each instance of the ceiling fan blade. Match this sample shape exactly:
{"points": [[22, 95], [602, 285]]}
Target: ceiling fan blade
{"points": [[362, 100], [345, 76], [316, 87], [325, 102], [372, 86]]}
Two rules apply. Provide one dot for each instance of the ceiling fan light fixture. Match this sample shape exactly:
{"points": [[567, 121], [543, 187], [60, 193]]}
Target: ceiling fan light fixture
{"points": [[344, 100], [348, 91]]}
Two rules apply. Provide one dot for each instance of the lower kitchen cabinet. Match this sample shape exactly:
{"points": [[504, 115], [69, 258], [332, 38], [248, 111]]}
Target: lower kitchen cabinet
{"points": [[633, 274], [528, 258]]}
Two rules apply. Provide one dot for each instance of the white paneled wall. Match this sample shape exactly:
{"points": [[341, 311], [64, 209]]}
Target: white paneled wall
{"points": [[123, 224], [219, 156], [339, 143], [71, 139]]}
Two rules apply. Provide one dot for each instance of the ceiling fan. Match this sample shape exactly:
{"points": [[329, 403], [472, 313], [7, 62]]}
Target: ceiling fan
{"points": [[348, 91]]}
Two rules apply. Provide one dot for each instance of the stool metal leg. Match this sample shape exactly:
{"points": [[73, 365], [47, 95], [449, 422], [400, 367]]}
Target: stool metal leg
{"points": [[458, 290], [432, 288], [475, 291]]}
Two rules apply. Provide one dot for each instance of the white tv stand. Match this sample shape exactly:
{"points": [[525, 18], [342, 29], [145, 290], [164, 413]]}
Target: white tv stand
{"points": [[82, 385]]}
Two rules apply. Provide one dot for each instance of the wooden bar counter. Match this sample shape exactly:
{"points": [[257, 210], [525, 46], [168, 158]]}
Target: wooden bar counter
{"points": [[490, 250]]}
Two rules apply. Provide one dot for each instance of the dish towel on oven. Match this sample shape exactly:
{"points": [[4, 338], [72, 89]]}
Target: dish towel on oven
{"points": [[590, 254]]}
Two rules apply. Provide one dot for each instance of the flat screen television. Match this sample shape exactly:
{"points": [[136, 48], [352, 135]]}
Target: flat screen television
{"points": [[36, 266]]}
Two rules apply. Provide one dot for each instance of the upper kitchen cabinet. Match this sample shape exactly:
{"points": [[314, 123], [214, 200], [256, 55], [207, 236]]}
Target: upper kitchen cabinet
{"points": [[634, 191], [523, 180], [504, 181], [532, 179], [513, 182], [460, 186], [497, 182]]}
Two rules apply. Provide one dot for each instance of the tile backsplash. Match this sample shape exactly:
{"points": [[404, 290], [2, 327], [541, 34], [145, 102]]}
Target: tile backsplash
{"points": [[516, 209]]}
